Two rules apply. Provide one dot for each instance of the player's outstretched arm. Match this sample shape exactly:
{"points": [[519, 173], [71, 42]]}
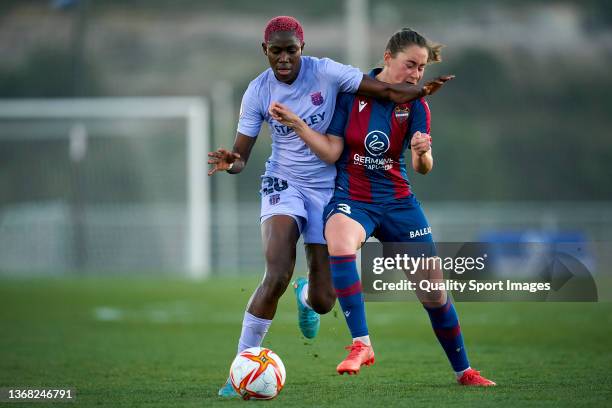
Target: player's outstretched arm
{"points": [[327, 147], [420, 146], [233, 162], [400, 93]]}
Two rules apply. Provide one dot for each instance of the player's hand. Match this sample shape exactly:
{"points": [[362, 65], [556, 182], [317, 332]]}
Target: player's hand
{"points": [[420, 143], [284, 115], [221, 159], [432, 86]]}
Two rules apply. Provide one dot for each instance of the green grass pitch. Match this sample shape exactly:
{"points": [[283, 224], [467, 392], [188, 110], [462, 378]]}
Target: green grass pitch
{"points": [[166, 343]]}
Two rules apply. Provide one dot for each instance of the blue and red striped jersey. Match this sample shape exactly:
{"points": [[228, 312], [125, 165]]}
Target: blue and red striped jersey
{"points": [[376, 134]]}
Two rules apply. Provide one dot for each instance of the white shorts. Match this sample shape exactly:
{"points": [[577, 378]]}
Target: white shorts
{"points": [[304, 204]]}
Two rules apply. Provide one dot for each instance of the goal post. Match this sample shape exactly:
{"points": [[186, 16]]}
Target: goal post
{"points": [[195, 111]]}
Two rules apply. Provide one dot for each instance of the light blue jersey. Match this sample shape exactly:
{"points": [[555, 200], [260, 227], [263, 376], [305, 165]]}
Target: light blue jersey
{"points": [[312, 96]]}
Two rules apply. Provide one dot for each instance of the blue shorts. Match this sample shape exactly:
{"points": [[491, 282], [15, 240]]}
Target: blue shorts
{"points": [[305, 205], [397, 221]]}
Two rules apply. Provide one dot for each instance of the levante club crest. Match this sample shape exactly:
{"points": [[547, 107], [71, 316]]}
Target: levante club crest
{"points": [[316, 98], [402, 112]]}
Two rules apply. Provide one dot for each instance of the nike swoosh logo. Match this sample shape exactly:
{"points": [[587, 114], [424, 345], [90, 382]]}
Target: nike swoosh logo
{"points": [[362, 105]]}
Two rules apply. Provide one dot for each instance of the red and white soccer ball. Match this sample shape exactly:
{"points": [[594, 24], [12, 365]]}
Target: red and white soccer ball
{"points": [[257, 373]]}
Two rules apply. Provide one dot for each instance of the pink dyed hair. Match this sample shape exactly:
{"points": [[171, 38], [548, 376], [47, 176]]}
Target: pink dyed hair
{"points": [[284, 23]]}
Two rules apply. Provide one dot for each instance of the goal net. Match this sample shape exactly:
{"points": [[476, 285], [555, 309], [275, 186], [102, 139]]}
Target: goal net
{"points": [[104, 185]]}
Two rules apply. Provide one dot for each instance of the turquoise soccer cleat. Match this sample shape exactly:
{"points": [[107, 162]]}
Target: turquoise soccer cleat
{"points": [[308, 320], [227, 391]]}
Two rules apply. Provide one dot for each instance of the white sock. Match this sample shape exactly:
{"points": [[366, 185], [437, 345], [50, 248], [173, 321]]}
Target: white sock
{"points": [[304, 296], [254, 330], [460, 373], [364, 339]]}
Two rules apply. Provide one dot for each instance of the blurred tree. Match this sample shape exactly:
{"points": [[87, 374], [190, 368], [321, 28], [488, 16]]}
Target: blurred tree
{"points": [[47, 73]]}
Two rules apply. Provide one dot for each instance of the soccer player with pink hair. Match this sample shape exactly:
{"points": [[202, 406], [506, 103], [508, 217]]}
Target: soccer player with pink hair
{"points": [[296, 185]]}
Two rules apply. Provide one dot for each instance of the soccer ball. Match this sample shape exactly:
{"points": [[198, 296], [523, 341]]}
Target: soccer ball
{"points": [[257, 373]]}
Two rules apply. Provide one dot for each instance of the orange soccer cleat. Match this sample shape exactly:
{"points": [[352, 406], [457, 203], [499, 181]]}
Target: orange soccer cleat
{"points": [[473, 378], [359, 355]]}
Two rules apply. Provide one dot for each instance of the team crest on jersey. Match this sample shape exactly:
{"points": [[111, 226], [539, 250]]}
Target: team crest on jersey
{"points": [[402, 112], [376, 142], [316, 98], [274, 199]]}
